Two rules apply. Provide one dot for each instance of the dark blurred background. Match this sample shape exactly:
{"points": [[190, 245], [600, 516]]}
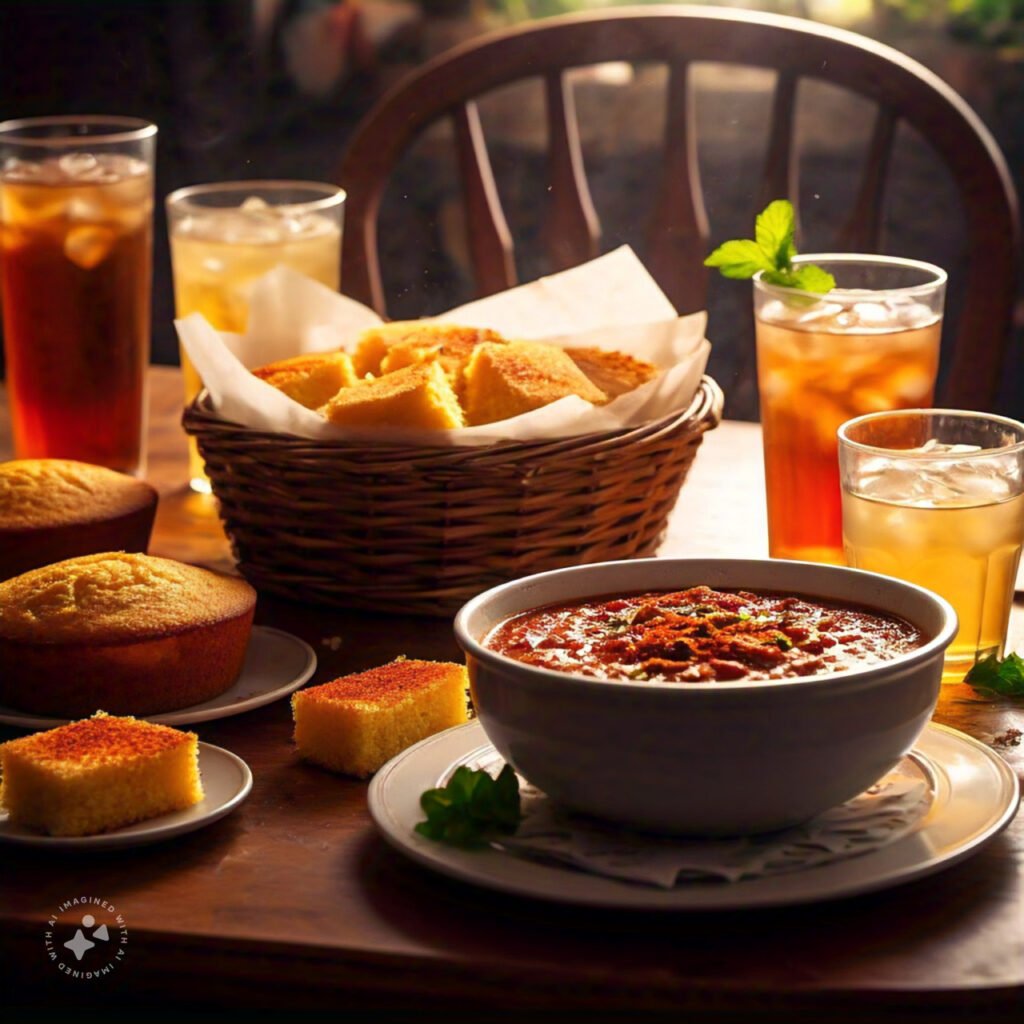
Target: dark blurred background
{"points": [[274, 88]]}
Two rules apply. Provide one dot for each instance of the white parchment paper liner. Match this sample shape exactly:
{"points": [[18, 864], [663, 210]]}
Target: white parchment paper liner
{"points": [[881, 815], [611, 302]]}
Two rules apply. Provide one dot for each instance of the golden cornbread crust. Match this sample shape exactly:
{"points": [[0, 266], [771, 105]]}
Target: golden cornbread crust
{"points": [[614, 373], [101, 773], [507, 380], [312, 379], [451, 346], [115, 596], [415, 396], [52, 509], [373, 344], [357, 723], [102, 739], [128, 633]]}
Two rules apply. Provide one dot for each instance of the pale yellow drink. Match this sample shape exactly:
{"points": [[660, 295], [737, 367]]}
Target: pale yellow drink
{"points": [[966, 553], [218, 253], [936, 497]]}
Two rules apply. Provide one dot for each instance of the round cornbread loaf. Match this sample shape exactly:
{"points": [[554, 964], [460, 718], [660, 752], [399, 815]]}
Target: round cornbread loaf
{"points": [[123, 633], [52, 509]]}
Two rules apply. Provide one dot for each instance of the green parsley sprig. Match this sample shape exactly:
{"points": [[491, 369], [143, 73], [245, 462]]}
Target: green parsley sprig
{"points": [[472, 809], [1000, 676], [771, 252]]}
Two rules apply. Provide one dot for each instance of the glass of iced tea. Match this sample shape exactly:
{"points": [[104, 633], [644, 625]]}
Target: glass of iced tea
{"points": [[870, 344], [76, 212], [936, 497], [225, 236]]}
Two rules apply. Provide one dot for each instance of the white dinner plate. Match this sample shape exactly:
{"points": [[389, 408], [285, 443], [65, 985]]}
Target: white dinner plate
{"points": [[226, 783], [976, 796], [276, 664]]}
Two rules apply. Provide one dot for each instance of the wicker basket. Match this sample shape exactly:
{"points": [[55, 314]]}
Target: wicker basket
{"points": [[421, 530]]}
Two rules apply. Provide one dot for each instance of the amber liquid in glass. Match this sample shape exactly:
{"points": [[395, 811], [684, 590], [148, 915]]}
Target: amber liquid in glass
{"points": [[812, 378], [75, 270]]}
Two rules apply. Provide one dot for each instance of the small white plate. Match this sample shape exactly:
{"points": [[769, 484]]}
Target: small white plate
{"points": [[976, 796], [226, 783], [276, 664]]}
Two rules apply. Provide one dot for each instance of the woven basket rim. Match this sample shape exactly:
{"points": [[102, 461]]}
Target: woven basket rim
{"points": [[706, 403]]}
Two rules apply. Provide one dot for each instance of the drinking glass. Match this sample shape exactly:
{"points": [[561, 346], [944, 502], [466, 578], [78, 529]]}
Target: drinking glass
{"points": [[225, 236], [76, 211], [936, 497], [870, 344]]}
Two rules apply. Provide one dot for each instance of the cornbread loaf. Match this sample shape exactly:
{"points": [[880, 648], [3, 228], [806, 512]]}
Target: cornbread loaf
{"points": [[356, 724], [614, 373], [128, 633], [98, 774], [311, 380], [52, 509], [507, 380], [415, 396]]}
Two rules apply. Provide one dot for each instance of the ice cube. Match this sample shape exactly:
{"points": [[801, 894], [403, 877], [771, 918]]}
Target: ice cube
{"points": [[81, 208], [913, 314], [871, 314], [22, 170], [818, 313], [254, 203], [88, 245], [79, 166]]}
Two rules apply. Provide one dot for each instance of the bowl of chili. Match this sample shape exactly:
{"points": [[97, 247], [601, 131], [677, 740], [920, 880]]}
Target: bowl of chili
{"points": [[704, 696]]}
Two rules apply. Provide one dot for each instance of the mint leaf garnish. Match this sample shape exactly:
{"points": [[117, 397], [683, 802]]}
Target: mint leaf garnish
{"points": [[771, 253], [1004, 677], [774, 230], [472, 808], [739, 259]]}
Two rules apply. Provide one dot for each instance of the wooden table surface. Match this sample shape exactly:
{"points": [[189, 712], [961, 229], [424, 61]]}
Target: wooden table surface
{"points": [[294, 901]]}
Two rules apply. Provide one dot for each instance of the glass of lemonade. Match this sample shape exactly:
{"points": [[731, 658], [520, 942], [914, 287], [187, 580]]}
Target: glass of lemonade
{"points": [[870, 344], [936, 497], [76, 215], [225, 236]]}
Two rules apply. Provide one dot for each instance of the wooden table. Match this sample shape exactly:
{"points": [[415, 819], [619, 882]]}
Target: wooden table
{"points": [[294, 902]]}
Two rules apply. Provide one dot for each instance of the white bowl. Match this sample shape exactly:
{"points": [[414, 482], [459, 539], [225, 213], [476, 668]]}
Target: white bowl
{"points": [[730, 758]]}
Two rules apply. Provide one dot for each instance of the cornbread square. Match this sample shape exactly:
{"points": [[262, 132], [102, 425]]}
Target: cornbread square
{"points": [[415, 396], [311, 380], [614, 373], [98, 774], [357, 723], [451, 346], [373, 344], [507, 380]]}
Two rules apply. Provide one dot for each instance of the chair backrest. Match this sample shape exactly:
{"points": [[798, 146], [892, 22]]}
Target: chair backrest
{"points": [[677, 242]]}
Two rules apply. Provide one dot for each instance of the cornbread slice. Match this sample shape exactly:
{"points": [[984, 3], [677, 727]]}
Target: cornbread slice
{"points": [[614, 373], [506, 380], [130, 633], [373, 344], [311, 380], [98, 774], [415, 396], [52, 509], [357, 723], [451, 346]]}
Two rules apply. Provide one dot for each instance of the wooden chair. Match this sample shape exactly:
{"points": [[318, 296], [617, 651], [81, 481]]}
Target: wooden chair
{"points": [[901, 89]]}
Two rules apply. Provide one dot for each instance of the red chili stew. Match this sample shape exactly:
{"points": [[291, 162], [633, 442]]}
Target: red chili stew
{"points": [[703, 635]]}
